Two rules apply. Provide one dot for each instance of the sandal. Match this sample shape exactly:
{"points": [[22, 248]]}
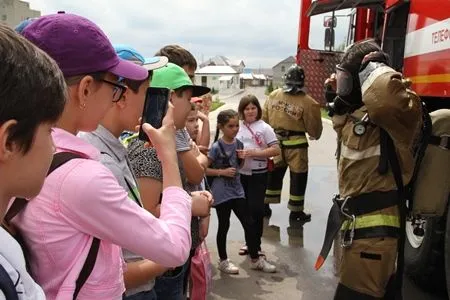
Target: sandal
{"points": [[243, 250]]}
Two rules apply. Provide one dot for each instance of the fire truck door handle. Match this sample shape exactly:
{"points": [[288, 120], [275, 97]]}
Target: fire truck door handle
{"points": [[318, 59]]}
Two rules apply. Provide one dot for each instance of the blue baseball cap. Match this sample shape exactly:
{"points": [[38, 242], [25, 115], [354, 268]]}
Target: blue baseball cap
{"points": [[21, 26], [129, 53]]}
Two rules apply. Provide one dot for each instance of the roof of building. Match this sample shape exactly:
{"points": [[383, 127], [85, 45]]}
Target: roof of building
{"points": [[246, 76], [220, 60], [289, 59], [216, 70], [237, 62], [252, 76]]}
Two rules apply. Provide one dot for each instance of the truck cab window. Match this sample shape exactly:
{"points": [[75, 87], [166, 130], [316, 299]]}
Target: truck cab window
{"points": [[332, 32], [395, 33]]}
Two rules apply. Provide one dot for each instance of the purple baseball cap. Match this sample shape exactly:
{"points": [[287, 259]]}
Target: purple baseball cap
{"points": [[79, 46]]}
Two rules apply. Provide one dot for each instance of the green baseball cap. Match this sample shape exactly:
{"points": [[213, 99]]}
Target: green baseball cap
{"points": [[174, 77]]}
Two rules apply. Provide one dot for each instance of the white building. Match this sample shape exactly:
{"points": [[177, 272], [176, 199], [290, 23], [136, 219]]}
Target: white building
{"points": [[12, 12], [251, 79], [218, 78]]}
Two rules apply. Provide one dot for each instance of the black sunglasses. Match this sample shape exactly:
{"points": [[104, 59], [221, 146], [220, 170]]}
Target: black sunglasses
{"points": [[118, 91]]}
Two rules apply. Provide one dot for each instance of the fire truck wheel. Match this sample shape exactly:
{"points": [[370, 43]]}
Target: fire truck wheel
{"points": [[424, 256]]}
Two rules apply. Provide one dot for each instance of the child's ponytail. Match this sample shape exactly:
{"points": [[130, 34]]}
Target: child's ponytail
{"points": [[216, 137]]}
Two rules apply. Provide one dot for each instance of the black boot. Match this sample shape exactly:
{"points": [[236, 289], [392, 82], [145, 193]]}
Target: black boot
{"points": [[267, 211], [299, 216]]}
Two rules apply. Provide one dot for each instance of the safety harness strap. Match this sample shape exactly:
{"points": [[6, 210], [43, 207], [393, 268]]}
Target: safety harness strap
{"points": [[396, 170], [288, 133], [374, 232], [441, 141], [369, 202]]}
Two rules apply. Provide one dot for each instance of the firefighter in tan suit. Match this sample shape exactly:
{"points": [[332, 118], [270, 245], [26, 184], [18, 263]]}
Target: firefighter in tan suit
{"points": [[377, 120], [292, 114]]}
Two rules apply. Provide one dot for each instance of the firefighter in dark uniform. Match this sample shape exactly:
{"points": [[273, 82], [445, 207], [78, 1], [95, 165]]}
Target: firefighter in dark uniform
{"points": [[292, 114], [377, 120]]}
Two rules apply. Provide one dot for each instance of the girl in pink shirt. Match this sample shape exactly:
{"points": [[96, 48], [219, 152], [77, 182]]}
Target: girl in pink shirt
{"points": [[82, 200]]}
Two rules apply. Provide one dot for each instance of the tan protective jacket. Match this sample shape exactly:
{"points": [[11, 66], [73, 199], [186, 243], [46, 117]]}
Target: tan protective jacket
{"points": [[293, 112], [391, 106]]}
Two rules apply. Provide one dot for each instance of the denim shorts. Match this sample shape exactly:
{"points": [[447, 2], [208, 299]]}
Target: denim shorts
{"points": [[171, 287], [148, 295]]}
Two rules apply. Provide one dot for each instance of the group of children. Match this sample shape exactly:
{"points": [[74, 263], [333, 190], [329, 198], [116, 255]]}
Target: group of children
{"points": [[238, 162], [114, 217]]}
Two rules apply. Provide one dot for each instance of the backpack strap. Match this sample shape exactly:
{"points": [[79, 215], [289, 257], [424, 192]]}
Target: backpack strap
{"points": [[441, 141], [19, 203], [240, 145], [222, 150], [87, 267], [7, 285], [136, 198]]}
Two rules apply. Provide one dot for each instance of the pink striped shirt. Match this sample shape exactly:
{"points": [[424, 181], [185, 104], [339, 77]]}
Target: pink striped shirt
{"points": [[82, 199]]}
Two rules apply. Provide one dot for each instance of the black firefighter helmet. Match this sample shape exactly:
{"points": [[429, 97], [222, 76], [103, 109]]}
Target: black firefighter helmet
{"points": [[294, 80]]}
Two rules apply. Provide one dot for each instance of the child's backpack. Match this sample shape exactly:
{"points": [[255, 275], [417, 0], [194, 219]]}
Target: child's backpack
{"points": [[19, 204]]}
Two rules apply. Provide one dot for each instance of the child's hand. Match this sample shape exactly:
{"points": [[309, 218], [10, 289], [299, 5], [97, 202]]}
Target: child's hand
{"points": [[163, 139], [195, 149], [202, 116], [230, 172], [203, 149], [208, 196], [201, 203], [205, 195], [243, 154], [331, 82]]}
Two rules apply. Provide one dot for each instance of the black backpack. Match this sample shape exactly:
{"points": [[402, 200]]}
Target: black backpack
{"points": [[18, 205]]}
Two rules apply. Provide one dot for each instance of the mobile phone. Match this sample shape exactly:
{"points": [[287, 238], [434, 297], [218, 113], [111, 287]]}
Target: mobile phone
{"points": [[155, 108]]}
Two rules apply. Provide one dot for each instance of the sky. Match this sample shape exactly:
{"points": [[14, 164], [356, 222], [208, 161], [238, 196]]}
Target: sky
{"points": [[260, 32]]}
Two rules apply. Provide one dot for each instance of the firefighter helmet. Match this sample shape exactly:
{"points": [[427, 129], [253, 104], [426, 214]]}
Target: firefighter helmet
{"points": [[294, 80]]}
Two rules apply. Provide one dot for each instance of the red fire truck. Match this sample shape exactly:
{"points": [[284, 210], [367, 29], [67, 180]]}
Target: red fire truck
{"points": [[416, 34]]}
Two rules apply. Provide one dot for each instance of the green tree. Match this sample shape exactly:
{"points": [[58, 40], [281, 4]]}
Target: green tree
{"points": [[269, 88]]}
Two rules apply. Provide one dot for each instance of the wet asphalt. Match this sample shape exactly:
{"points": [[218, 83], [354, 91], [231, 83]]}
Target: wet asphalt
{"points": [[292, 247]]}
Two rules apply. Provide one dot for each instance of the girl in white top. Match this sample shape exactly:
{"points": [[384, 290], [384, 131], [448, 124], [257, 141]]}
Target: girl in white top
{"points": [[260, 143]]}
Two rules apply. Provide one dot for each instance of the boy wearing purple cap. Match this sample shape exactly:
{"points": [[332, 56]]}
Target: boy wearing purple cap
{"points": [[29, 81], [81, 202]]}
